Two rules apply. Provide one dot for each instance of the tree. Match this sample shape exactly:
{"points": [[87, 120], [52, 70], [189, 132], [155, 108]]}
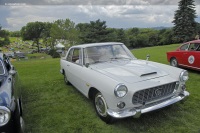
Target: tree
{"points": [[15, 33], [122, 37], [46, 34], [184, 21], [198, 29], [64, 30], [165, 37], [4, 37], [33, 31], [96, 31]]}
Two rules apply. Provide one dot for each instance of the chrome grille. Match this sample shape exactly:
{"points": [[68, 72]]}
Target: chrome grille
{"points": [[147, 95]]}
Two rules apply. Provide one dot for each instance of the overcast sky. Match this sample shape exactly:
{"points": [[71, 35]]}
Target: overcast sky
{"points": [[117, 13]]}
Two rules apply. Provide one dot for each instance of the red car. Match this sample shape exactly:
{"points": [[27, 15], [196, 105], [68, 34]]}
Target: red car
{"points": [[187, 55]]}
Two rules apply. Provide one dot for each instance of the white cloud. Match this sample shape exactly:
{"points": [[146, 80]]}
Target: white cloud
{"points": [[124, 16]]}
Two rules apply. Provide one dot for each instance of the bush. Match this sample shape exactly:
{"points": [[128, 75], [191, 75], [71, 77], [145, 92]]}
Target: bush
{"points": [[54, 54]]}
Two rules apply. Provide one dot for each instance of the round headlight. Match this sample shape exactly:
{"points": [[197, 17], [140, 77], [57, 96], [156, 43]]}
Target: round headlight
{"points": [[4, 115], [184, 76], [120, 90]]}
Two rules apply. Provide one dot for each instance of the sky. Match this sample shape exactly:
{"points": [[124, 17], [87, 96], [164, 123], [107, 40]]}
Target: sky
{"points": [[14, 14]]}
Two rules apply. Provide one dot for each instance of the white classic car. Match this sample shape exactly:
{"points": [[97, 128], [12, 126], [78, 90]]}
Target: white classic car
{"points": [[119, 84]]}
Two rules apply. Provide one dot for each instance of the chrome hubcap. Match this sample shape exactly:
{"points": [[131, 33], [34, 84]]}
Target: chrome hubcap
{"points": [[101, 105], [174, 63]]}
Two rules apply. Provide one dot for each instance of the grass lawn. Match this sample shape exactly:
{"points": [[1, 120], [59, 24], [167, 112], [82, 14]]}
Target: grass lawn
{"points": [[50, 106]]}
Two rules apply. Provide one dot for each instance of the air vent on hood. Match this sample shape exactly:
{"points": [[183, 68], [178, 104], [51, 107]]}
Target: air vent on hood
{"points": [[146, 74]]}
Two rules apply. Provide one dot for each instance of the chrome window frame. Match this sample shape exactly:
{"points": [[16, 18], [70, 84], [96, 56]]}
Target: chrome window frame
{"points": [[3, 68]]}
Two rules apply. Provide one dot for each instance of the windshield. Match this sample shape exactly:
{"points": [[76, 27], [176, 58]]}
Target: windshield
{"points": [[2, 71], [105, 53]]}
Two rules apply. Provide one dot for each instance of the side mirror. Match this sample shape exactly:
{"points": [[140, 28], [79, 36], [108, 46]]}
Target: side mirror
{"points": [[148, 56]]}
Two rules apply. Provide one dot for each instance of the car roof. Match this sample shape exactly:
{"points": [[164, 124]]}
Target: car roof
{"points": [[95, 44], [194, 41]]}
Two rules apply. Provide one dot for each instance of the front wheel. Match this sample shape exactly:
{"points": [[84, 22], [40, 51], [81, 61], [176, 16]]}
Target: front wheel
{"points": [[174, 62], [18, 120], [101, 108]]}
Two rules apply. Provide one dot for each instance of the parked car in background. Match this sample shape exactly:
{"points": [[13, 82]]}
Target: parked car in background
{"points": [[10, 54], [11, 120], [187, 55], [19, 54], [119, 84]]}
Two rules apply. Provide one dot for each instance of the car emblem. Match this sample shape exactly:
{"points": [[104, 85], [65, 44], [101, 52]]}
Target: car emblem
{"points": [[191, 59], [158, 92]]}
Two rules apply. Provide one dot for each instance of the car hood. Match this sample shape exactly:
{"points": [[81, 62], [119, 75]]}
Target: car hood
{"points": [[129, 71]]}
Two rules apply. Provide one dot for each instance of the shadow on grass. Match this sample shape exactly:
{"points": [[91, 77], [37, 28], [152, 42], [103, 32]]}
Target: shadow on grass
{"points": [[146, 122]]}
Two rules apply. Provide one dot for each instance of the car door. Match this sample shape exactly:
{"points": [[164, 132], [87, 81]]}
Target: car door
{"points": [[75, 69], [191, 56], [197, 57], [181, 54]]}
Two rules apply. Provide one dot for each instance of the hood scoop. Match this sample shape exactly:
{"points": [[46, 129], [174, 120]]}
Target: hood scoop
{"points": [[146, 74]]}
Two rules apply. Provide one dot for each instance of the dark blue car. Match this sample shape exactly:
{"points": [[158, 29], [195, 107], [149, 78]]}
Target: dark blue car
{"points": [[11, 120]]}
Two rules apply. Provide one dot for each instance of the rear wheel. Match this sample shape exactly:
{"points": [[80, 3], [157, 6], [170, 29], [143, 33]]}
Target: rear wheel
{"points": [[174, 62], [101, 108], [66, 79]]}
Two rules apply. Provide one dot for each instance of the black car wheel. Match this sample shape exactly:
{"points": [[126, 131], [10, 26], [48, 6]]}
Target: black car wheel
{"points": [[66, 79], [18, 120], [101, 108], [174, 62]]}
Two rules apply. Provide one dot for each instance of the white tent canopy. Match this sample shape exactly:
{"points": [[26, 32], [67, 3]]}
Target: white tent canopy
{"points": [[59, 45]]}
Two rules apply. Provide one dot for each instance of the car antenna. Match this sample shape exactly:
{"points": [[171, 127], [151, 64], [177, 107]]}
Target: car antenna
{"points": [[147, 58]]}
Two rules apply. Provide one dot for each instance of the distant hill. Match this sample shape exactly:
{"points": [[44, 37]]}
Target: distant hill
{"points": [[161, 27]]}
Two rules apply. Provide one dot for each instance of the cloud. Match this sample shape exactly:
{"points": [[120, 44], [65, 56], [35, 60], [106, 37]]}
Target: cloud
{"points": [[95, 2], [140, 14], [4, 13], [124, 16]]}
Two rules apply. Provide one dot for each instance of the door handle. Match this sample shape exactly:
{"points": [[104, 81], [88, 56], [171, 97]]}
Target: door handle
{"points": [[68, 65]]}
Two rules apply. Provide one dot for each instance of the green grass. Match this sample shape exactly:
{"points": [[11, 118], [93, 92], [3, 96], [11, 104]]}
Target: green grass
{"points": [[50, 106], [38, 56]]}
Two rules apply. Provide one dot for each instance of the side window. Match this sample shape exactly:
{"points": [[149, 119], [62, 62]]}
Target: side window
{"points": [[184, 47], [198, 49], [193, 47], [69, 56], [75, 56]]}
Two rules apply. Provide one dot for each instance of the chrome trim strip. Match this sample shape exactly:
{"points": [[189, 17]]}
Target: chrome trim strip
{"points": [[167, 90], [189, 66], [3, 68], [137, 112]]}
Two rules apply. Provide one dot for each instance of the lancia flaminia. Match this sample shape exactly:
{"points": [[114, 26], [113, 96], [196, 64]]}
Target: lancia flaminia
{"points": [[119, 84]]}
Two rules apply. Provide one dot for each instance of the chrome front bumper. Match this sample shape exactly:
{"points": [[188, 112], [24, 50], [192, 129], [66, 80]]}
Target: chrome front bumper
{"points": [[136, 112]]}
